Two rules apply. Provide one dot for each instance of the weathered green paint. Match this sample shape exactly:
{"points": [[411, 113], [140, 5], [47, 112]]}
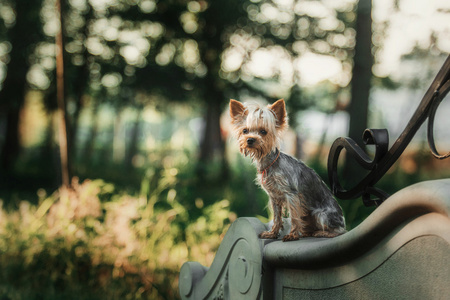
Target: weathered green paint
{"points": [[236, 270], [401, 251]]}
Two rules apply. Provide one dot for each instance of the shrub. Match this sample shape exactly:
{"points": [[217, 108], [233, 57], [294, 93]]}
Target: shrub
{"points": [[76, 245]]}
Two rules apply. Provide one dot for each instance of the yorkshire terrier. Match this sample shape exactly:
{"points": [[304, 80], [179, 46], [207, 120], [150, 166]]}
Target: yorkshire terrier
{"points": [[288, 182]]}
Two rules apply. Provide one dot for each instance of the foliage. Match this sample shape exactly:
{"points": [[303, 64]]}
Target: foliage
{"points": [[137, 53], [98, 242], [76, 245]]}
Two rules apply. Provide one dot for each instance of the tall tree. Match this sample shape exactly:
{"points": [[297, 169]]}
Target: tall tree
{"points": [[62, 122], [360, 83], [187, 63], [22, 36], [219, 18]]}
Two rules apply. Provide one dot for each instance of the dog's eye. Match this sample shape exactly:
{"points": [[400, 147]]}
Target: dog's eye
{"points": [[245, 131], [263, 132]]}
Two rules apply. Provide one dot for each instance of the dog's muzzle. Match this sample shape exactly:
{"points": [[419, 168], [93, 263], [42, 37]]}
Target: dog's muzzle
{"points": [[250, 141]]}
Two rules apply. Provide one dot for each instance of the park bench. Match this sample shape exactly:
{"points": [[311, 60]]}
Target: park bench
{"points": [[401, 251]]}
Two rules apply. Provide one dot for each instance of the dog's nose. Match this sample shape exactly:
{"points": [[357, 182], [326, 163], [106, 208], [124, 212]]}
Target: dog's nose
{"points": [[250, 141]]}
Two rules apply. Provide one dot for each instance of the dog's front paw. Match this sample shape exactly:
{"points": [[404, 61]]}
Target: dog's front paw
{"points": [[268, 235], [293, 236]]}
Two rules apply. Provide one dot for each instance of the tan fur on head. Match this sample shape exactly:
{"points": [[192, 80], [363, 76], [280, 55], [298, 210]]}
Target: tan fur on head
{"points": [[263, 124]]}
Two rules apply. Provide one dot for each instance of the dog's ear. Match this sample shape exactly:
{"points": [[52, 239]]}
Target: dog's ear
{"points": [[237, 111], [280, 112]]}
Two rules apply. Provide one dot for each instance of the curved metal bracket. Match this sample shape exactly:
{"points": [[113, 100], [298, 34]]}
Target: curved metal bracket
{"points": [[384, 158], [439, 97]]}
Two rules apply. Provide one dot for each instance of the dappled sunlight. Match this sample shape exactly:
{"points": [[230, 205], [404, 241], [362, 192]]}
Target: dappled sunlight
{"points": [[111, 80], [267, 62], [315, 68], [166, 55], [249, 54], [413, 23], [34, 121]]}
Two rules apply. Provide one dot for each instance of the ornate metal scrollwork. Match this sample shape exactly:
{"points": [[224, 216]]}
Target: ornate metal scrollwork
{"points": [[384, 158]]}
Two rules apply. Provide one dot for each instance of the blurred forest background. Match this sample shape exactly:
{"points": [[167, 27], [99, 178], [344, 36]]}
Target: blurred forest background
{"points": [[150, 176]]}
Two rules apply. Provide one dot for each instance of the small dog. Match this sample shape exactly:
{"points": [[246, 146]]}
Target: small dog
{"points": [[288, 182]]}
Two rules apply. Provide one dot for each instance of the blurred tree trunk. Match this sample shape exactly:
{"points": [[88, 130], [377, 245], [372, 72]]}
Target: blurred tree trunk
{"points": [[132, 148], [22, 37], [323, 137], [11, 145], [212, 145], [62, 124], [80, 85], [119, 143], [48, 141], [88, 148], [360, 85]]}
